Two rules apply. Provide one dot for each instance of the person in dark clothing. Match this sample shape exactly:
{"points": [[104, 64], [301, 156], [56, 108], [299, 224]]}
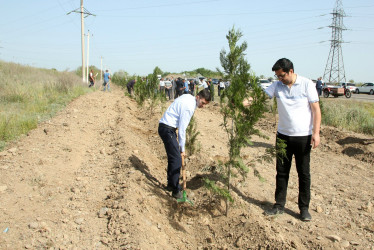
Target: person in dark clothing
{"points": [[179, 87], [91, 78], [192, 87], [319, 86], [130, 86]]}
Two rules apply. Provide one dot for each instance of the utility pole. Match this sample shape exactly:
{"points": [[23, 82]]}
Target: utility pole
{"points": [[101, 69], [334, 70], [88, 53], [83, 12]]}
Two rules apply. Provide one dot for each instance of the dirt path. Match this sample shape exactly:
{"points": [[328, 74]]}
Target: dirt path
{"points": [[91, 178]]}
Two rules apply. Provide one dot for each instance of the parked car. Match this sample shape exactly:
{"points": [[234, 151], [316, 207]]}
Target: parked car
{"points": [[351, 86], [264, 83], [215, 81], [366, 88]]}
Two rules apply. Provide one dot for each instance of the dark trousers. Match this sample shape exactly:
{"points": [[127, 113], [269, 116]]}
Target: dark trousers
{"points": [[167, 92], [129, 89], [169, 137], [300, 147], [219, 90]]}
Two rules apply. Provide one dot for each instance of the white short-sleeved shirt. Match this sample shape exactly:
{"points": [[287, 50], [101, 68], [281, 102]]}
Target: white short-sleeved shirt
{"points": [[295, 114], [179, 114], [162, 84]]}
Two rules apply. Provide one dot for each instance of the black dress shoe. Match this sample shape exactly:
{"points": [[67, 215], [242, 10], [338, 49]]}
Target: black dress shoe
{"points": [[169, 188], [275, 211], [305, 215], [177, 195]]}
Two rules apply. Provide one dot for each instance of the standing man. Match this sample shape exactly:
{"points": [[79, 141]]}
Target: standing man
{"points": [[91, 79], [185, 89], [298, 126], [319, 86], [168, 86], [178, 115], [172, 87], [221, 86], [106, 80], [192, 87], [203, 84], [180, 87], [162, 86], [130, 86]]}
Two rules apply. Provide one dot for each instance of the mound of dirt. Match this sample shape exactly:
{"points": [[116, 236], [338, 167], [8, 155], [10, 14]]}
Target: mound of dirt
{"points": [[93, 177]]}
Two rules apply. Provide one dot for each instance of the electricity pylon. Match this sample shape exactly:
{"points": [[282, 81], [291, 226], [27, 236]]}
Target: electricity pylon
{"points": [[334, 70]]}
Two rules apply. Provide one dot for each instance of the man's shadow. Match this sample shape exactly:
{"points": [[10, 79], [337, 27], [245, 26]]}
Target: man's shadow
{"points": [[198, 181], [176, 210], [159, 190]]}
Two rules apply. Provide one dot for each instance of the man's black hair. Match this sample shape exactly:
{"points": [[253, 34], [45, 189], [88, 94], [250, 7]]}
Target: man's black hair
{"points": [[283, 64], [205, 94]]}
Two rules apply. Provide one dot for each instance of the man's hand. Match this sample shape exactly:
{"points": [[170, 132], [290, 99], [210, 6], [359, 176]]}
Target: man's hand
{"points": [[183, 154], [316, 112], [315, 140]]}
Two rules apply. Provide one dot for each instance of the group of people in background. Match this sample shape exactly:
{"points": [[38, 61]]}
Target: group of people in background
{"points": [[173, 88]]}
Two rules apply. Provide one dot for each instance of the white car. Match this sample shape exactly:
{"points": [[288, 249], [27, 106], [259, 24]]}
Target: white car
{"points": [[366, 88], [264, 83], [351, 86]]}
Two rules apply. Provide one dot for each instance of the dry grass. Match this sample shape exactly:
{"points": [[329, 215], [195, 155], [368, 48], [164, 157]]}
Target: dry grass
{"points": [[30, 95], [349, 115]]}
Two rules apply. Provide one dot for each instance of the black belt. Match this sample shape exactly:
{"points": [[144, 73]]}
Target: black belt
{"points": [[167, 126]]}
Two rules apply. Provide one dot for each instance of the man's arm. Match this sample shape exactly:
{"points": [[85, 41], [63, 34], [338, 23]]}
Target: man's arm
{"points": [[316, 113]]}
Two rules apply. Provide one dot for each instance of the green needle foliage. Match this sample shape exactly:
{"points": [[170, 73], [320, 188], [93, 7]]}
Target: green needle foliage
{"points": [[140, 91], [238, 120], [147, 89], [192, 145], [212, 90]]}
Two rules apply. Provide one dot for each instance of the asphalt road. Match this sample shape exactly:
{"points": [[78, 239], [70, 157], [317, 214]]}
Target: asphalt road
{"points": [[358, 97], [363, 97]]}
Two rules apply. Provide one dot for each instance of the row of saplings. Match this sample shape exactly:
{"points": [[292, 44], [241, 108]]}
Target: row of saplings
{"points": [[238, 120]]}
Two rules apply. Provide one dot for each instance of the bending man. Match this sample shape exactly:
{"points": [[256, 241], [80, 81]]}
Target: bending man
{"points": [[178, 116]]}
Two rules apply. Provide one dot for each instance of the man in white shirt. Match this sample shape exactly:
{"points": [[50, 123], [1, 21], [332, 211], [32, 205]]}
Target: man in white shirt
{"points": [[299, 126], [162, 86], [221, 86], [178, 116], [203, 84]]}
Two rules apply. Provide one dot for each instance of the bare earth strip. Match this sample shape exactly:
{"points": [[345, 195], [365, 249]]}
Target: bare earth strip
{"points": [[93, 176]]}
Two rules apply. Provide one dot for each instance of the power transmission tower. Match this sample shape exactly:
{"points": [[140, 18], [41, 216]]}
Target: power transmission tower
{"points": [[334, 70], [83, 12]]}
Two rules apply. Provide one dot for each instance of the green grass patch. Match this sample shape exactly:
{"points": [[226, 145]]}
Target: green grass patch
{"points": [[30, 95], [349, 115]]}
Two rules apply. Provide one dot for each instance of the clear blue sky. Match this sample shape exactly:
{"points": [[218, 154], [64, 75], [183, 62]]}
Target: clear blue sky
{"points": [[179, 35]]}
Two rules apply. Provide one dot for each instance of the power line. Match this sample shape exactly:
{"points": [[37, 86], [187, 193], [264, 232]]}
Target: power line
{"points": [[160, 5]]}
